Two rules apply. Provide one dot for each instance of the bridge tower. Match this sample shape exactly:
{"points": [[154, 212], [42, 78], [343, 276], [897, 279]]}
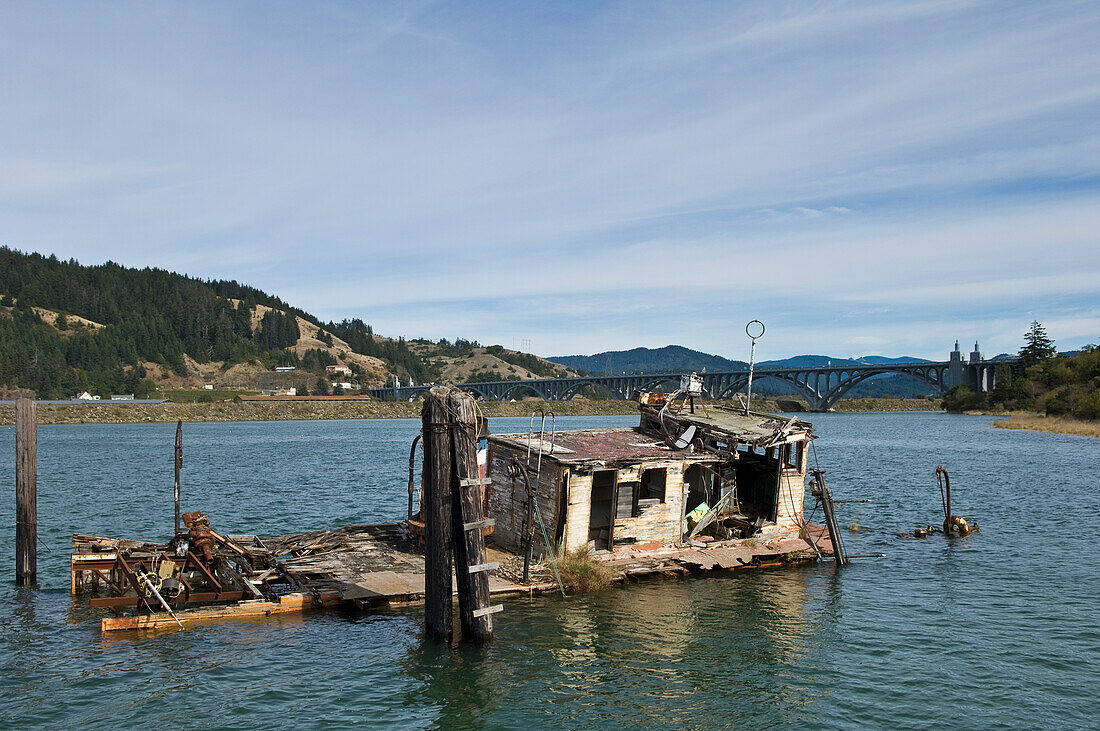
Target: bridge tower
{"points": [[982, 375], [956, 373]]}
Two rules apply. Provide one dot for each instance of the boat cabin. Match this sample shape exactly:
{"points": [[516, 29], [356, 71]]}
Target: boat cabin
{"points": [[678, 476]]}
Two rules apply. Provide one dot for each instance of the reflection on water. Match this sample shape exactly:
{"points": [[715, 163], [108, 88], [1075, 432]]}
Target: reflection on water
{"points": [[997, 629]]}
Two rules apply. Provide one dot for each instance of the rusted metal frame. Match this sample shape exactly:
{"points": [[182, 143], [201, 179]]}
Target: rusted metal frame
{"points": [[129, 574], [200, 598], [209, 576], [112, 585]]}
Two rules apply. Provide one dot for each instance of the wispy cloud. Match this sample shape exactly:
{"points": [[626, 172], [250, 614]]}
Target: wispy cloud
{"points": [[606, 174]]}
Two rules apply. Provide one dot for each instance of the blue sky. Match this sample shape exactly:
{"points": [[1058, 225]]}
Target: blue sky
{"points": [[879, 177]]}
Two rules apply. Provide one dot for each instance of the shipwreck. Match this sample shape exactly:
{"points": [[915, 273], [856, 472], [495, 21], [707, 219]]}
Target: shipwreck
{"points": [[690, 488]]}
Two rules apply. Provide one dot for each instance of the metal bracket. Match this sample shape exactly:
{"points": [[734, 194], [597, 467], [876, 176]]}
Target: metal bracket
{"points": [[484, 567], [475, 481]]}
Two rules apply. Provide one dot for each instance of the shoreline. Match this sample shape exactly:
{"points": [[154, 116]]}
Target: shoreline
{"points": [[1027, 421], [102, 413]]}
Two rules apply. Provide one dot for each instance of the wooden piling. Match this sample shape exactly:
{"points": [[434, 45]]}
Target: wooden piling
{"points": [[26, 492], [469, 524], [437, 501]]}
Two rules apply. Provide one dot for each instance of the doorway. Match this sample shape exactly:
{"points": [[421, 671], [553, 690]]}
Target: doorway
{"points": [[603, 500]]}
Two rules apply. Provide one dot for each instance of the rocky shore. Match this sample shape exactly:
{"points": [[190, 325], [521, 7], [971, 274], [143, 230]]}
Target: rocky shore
{"points": [[106, 413]]}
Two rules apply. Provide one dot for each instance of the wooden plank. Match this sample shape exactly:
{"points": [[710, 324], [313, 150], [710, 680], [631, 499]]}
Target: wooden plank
{"points": [[26, 492], [487, 523], [235, 611], [484, 567], [488, 610], [475, 481]]}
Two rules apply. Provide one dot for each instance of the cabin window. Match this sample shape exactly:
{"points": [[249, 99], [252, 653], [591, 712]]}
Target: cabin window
{"points": [[653, 485], [627, 505], [792, 455]]}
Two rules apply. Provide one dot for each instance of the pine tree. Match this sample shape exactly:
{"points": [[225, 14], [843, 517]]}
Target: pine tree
{"points": [[1037, 346]]}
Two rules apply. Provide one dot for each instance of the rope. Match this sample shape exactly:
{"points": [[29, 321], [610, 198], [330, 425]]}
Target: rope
{"points": [[549, 549]]}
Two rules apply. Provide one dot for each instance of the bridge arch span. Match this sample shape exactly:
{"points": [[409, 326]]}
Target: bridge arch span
{"points": [[570, 392], [733, 387], [519, 391], [482, 393]]}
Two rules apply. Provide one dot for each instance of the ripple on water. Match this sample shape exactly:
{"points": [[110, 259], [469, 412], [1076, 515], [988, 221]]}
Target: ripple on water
{"points": [[996, 630]]}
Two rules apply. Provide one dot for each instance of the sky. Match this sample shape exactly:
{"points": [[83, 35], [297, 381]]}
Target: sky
{"points": [[863, 177]]}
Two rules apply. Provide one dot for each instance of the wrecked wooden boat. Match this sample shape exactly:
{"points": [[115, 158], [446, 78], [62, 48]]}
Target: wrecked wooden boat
{"points": [[709, 489], [686, 490]]}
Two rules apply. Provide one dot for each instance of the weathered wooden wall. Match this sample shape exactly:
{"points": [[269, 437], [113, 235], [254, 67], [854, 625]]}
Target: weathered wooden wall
{"points": [[792, 496], [659, 523], [508, 499]]}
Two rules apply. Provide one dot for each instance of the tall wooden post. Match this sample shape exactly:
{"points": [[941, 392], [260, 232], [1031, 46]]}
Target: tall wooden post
{"points": [[179, 466], [437, 501], [469, 525], [26, 492]]}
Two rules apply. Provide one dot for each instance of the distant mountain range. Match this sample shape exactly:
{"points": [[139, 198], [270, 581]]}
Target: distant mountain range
{"points": [[677, 358]]}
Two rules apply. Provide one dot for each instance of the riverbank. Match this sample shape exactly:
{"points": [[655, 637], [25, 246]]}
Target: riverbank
{"points": [[101, 413], [1051, 424]]}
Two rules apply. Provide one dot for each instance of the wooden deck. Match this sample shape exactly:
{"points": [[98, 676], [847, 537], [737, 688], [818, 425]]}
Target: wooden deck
{"points": [[380, 566]]}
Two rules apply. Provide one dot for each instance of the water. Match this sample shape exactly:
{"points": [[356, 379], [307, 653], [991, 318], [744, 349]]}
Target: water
{"points": [[997, 630]]}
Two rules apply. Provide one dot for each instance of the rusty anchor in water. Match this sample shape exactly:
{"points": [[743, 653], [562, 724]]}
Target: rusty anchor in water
{"points": [[952, 524]]}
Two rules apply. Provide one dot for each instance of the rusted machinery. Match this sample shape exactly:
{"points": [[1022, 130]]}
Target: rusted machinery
{"points": [[199, 566]]}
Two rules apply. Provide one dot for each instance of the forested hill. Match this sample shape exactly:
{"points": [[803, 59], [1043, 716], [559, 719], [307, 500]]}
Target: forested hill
{"points": [[65, 327]]}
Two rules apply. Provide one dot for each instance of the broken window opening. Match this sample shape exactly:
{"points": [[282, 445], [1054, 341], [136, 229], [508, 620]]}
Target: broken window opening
{"points": [[653, 485], [793, 455], [627, 502]]}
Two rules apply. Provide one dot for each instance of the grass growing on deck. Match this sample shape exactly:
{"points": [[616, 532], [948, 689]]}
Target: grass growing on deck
{"points": [[582, 572]]}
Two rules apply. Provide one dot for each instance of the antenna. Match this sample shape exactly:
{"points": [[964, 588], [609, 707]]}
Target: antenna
{"points": [[749, 330]]}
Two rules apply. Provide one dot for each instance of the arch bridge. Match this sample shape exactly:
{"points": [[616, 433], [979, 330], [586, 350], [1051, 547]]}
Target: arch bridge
{"points": [[821, 386]]}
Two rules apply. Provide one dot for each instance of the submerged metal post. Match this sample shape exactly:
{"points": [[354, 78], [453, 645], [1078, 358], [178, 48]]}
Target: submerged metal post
{"points": [[749, 329], [26, 492], [179, 466]]}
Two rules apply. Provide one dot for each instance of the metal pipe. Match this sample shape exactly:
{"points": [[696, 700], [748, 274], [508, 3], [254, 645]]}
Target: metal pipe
{"points": [[179, 466], [412, 465], [149, 583], [945, 498], [752, 359]]}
